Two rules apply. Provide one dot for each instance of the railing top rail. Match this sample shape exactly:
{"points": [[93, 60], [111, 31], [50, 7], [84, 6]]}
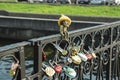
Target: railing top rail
{"points": [[13, 46], [52, 38]]}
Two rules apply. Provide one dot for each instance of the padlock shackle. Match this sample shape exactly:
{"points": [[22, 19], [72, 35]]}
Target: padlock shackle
{"points": [[57, 47], [91, 50]]}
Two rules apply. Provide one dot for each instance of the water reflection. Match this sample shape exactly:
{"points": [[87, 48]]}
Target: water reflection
{"points": [[5, 65]]}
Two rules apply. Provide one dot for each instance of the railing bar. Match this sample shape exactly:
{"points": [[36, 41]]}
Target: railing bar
{"points": [[34, 75], [12, 46], [106, 47], [8, 52]]}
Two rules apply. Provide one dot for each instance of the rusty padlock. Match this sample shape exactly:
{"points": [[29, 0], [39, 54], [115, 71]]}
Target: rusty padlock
{"points": [[56, 67], [75, 50], [14, 67], [76, 59], [48, 70], [63, 51], [82, 56], [92, 52], [70, 72]]}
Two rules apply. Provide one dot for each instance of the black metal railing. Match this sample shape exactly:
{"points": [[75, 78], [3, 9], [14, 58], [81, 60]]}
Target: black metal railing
{"points": [[102, 41]]}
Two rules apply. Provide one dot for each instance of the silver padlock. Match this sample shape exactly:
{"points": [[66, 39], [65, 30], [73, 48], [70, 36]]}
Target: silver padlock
{"points": [[70, 72], [66, 60], [82, 56], [63, 51], [48, 70]]}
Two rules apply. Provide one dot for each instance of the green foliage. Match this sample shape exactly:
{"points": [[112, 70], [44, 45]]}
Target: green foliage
{"points": [[86, 10]]}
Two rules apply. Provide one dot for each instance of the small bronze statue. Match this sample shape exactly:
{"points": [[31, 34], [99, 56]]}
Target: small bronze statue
{"points": [[64, 22]]}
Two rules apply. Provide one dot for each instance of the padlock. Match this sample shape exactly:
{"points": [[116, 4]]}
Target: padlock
{"points": [[75, 50], [92, 52], [43, 56], [14, 66], [76, 59], [56, 67], [89, 56], [70, 72], [66, 60], [48, 70], [82, 56], [64, 52], [69, 59]]}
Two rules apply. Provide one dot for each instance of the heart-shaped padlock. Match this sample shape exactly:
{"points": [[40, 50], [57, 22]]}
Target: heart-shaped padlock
{"points": [[48, 70], [56, 67], [64, 52], [82, 56], [76, 59], [70, 72]]}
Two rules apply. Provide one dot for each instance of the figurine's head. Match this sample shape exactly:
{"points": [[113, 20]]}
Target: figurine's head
{"points": [[64, 20]]}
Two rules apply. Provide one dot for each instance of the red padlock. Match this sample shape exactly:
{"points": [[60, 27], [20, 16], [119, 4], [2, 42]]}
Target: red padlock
{"points": [[89, 56], [57, 67], [43, 56]]}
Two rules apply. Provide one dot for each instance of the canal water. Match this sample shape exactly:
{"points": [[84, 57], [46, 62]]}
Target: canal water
{"points": [[5, 62]]}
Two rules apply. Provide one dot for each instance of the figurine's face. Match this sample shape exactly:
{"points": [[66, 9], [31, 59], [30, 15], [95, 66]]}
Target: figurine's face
{"points": [[65, 23]]}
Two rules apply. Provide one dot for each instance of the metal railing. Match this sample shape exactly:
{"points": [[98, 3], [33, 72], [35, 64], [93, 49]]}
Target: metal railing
{"points": [[102, 40]]}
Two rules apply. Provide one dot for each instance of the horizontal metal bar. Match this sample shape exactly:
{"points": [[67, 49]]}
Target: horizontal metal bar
{"points": [[13, 46]]}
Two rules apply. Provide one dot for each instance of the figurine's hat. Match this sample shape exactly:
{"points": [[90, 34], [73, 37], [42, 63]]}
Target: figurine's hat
{"points": [[64, 18]]}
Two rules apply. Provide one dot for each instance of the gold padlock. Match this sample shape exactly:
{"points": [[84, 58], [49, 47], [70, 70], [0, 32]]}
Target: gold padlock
{"points": [[48, 70], [12, 72], [76, 59], [94, 55], [75, 50]]}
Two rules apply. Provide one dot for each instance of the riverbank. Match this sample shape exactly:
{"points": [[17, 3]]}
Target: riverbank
{"points": [[83, 10]]}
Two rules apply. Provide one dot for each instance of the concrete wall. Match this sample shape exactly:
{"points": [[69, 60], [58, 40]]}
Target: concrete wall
{"points": [[26, 28]]}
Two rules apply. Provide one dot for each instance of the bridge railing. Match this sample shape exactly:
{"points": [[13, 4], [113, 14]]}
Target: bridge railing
{"points": [[15, 52], [103, 39], [102, 42]]}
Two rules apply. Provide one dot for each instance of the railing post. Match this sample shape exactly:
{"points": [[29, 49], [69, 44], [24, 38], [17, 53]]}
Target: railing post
{"points": [[21, 58], [110, 63], [37, 60]]}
